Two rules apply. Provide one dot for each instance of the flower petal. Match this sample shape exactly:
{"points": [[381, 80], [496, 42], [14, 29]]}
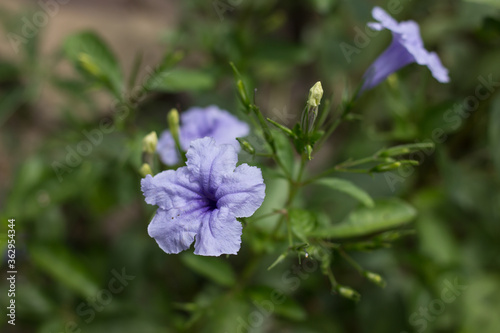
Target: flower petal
{"points": [[227, 127], [439, 72], [395, 57], [385, 20], [166, 149], [171, 189], [210, 162], [242, 192], [174, 230], [212, 122], [406, 47], [219, 233]]}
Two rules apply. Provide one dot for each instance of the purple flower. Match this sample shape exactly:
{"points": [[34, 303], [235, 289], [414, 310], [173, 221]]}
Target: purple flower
{"points": [[202, 200], [406, 48], [197, 123]]}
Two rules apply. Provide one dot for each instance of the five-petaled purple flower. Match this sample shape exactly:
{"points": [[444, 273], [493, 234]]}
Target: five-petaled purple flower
{"points": [[202, 200], [406, 48], [197, 123]]}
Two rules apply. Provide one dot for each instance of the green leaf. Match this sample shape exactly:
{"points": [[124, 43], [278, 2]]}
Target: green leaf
{"points": [[65, 269], [349, 188], [91, 56], [493, 3], [180, 79], [494, 134], [215, 269], [386, 214], [274, 301], [284, 150], [303, 222], [3, 243], [10, 102]]}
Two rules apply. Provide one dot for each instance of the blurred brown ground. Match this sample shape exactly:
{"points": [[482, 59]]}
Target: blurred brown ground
{"points": [[128, 26]]}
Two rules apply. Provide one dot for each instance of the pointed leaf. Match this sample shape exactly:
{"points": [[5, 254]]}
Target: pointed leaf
{"points": [[302, 221], [90, 54], [215, 269], [494, 134], [386, 214], [349, 188], [65, 269], [180, 79], [273, 300]]}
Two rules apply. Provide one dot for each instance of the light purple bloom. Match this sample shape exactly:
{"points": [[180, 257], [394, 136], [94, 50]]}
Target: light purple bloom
{"points": [[202, 200], [197, 123], [406, 48]]}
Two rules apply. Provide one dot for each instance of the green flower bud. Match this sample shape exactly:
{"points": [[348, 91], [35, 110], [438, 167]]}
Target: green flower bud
{"points": [[375, 278], [311, 111], [173, 123], [392, 166], [309, 151], [149, 143], [145, 170], [243, 93], [246, 146], [348, 293], [315, 95], [386, 167], [406, 149]]}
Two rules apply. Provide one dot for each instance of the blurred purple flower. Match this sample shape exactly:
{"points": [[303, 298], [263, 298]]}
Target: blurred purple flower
{"points": [[406, 48], [197, 123], [202, 200]]}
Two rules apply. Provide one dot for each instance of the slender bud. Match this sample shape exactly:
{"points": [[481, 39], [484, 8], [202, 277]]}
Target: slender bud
{"points": [[246, 146], [386, 167], [145, 170], [392, 166], [375, 278], [349, 293], [149, 143], [406, 149], [173, 126], [243, 94], [173, 123], [309, 151]]}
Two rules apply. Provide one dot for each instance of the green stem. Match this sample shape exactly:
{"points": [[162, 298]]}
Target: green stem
{"points": [[333, 170], [289, 229], [332, 279], [344, 167], [301, 169], [347, 107], [351, 261], [253, 219]]}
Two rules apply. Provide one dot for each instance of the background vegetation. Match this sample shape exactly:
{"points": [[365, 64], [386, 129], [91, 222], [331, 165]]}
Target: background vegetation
{"points": [[79, 225]]}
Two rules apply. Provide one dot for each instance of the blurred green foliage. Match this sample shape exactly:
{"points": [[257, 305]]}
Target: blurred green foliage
{"points": [[80, 223]]}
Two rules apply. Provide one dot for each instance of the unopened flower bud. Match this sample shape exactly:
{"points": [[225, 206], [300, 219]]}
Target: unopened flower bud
{"points": [[173, 123], [311, 111], [309, 151], [386, 167], [349, 293], [243, 93], [145, 170], [315, 94], [149, 143], [246, 146], [375, 278], [392, 166]]}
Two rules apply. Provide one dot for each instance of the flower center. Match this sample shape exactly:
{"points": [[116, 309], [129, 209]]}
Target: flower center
{"points": [[212, 204]]}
